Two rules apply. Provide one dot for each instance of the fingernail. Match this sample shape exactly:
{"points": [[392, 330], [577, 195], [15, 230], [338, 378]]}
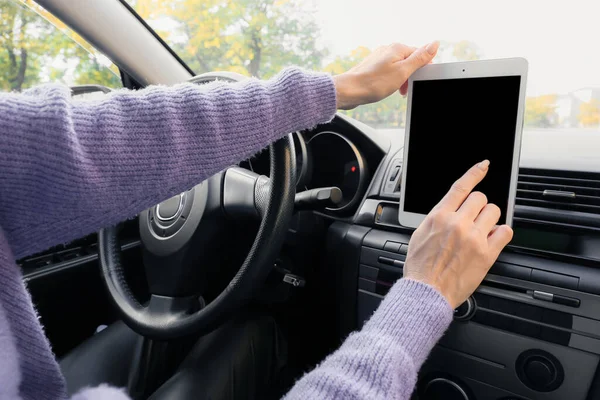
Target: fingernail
{"points": [[432, 47], [484, 164]]}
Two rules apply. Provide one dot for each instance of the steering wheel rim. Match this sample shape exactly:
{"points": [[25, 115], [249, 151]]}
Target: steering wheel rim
{"points": [[169, 317]]}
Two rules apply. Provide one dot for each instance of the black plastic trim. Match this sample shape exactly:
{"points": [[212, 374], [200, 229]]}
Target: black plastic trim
{"points": [[303, 175], [342, 264], [511, 270], [76, 262], [77, 90], [548, 358], [554, 279], [549, 216], [368, 212]]}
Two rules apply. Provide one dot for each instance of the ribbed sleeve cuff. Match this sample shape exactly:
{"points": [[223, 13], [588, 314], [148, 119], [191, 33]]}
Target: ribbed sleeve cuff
{"points": [[414, 315]]}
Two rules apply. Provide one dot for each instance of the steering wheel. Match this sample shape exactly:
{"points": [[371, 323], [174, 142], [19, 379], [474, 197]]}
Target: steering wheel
{"points": [[176, 233]]}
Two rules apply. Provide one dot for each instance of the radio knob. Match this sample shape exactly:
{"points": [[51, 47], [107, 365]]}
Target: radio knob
{"points": [[539, 370], [466, 310], [446, 389]]}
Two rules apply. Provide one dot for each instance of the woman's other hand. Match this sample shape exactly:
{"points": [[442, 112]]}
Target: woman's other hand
{"points": [[457, 243], [380, 74]]}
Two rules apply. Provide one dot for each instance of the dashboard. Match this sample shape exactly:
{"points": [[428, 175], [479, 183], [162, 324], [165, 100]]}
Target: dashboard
{"points": [[333, 155], [532, 329]]}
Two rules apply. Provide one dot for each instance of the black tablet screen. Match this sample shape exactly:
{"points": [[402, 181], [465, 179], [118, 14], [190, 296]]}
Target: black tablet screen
{"points": [[455, 123]]}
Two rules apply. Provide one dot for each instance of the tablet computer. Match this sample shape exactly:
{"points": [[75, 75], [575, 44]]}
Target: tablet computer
{"points": [[459, 114]]}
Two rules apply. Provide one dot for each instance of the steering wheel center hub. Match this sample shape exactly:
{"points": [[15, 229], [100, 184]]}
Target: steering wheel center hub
{"points": [[168, 226], [167, 218], [169, 209]]}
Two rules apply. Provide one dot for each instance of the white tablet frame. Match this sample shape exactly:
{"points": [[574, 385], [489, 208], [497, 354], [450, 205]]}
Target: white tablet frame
{"points": [[461, 70]]}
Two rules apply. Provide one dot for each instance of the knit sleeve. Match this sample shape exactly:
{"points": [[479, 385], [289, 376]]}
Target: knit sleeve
{"points": [[381, 361], [70, 168]]}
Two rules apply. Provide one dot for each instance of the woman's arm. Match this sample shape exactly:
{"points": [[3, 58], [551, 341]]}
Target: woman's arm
{"points": [[69, 168], [381, 361], [448, 257]]}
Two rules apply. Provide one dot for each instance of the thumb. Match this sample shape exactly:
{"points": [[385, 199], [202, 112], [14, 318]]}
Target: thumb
{"points": [[420, 57]]}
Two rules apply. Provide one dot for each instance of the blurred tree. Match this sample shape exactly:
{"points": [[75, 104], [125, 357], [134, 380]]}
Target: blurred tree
{"points": [[343, 64], [541, 111], [388, 113], [462, 50], [35, 48], [466, 51], [19, 58], [89, 70], [252, 37], [589, 113]]}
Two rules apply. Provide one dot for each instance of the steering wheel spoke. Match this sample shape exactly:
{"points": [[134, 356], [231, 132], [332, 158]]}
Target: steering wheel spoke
{"points": [[245, 193], [238, 193], [167, 306]]}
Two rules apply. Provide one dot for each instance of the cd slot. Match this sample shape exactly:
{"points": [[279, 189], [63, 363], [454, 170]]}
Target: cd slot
{"points": [[523, 311], [381, 258], [522, 326], [543, 324], [378, 280], [505, 286], [378, 287], [528, 320], [380, 269]]}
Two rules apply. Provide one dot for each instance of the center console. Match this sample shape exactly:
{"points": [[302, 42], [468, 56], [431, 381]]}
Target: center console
{"points": [[531, 331]]}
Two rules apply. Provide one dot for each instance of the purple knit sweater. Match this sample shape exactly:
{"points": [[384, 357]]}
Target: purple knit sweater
{"points": [[68, 169]]}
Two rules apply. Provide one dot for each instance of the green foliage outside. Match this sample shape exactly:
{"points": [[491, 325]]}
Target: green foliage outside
{"points": [[540, 111], [589, 113], [251, 37], [36, 49]]}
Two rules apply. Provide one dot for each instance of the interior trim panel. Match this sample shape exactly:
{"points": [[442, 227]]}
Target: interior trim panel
{"points": [[531, 331], [37, 271]]}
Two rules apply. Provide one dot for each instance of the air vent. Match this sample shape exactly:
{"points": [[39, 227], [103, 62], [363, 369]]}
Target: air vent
{"points": [[61, 253], [84, 249], [561, 197]]}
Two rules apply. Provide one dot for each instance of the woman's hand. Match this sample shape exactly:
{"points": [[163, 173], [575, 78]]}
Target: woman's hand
{"points": [[380, 74], [457, 243]]}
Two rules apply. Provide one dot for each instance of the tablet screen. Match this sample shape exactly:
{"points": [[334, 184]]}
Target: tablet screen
{"points": [[455, 123]]}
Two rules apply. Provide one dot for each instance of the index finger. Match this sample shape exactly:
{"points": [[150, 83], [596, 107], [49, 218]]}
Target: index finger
{"points": [[464, 186]]}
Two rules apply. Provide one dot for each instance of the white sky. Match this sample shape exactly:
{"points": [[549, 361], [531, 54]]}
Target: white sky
{"points": [[561, 39]]}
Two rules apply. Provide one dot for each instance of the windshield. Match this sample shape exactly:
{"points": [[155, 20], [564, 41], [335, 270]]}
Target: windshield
{"points": [[260, 37], [36, 47]]}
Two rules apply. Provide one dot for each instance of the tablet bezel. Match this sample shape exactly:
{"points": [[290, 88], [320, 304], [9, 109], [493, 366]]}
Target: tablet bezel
{"points": [[463, 70]]}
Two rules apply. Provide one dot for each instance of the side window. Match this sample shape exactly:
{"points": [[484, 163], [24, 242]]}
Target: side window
{"points": [[35, 48]]}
